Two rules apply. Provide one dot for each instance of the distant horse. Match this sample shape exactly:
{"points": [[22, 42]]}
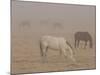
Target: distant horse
{"points": [[83, 36], [57, 43]]}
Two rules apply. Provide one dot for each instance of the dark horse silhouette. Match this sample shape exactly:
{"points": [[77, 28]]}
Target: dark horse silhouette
{"points": [[83, 36]]}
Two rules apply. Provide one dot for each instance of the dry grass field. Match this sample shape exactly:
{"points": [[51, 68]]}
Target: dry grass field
{"points": [[26, 58], [31, 21]]}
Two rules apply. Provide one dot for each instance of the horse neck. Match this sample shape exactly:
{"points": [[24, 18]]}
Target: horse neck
{"points": [[90, 42]]}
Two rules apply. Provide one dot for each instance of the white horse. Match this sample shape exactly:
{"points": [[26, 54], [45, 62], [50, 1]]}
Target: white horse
{"points": [[58, 43]]}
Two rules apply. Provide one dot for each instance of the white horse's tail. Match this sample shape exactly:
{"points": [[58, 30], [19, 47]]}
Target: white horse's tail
{"points": [[41, 50]]}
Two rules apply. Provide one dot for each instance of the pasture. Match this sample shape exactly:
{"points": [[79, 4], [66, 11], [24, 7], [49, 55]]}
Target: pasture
{"points": [[26, 57]]}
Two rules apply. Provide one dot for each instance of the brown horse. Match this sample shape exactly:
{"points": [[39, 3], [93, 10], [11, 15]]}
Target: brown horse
{"points": [[82, 36]]}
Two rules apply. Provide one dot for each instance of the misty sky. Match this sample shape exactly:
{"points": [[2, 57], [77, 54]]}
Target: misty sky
{"points": [[47, 16]]}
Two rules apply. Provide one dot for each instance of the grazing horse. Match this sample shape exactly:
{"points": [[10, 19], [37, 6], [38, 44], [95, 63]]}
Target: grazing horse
{"points": [[57, 43], [83, 36]]}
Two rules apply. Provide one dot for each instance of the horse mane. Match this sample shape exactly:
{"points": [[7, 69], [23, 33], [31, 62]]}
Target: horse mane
{"points": [[69, 44]]}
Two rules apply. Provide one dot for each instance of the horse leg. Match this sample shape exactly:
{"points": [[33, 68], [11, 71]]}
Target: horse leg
{"points": [[75, 42], [78, 43], [85, 44], [90, 43], [46, 51], [44, 54]]}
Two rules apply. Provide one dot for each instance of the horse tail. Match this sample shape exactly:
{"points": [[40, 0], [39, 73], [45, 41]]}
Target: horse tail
{"points": [[75, 43], [41, 50]]}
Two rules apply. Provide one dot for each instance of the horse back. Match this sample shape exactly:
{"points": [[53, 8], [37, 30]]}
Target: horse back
{"points": [[82, 36]]}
